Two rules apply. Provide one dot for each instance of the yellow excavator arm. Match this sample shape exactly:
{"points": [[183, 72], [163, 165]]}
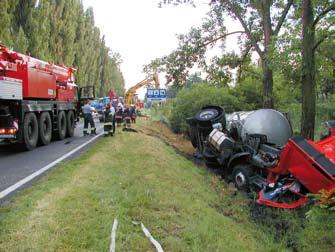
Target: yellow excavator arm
{"points": [[129, 95]]}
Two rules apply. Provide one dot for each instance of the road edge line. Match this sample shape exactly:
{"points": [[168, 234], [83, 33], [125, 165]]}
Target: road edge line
{"points": [[27, 179]]}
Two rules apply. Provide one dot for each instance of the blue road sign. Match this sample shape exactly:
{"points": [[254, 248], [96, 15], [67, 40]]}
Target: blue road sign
{"points": [[156, 95]]}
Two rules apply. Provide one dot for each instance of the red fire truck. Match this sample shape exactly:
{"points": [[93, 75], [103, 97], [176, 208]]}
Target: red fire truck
{"points": [[38, 100]]}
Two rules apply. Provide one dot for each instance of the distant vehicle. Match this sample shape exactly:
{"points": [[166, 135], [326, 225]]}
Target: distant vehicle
{"points": [[114, 98], [100, 105], [95, 115]]}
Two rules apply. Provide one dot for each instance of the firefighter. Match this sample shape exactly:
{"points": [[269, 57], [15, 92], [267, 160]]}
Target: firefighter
{"points": [[127, 117], [88, 118], [118, 115], [133, 114], [109, 122]]}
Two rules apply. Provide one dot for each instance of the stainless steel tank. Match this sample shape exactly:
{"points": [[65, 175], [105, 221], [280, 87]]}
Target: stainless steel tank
{"points": [[268, 122]]}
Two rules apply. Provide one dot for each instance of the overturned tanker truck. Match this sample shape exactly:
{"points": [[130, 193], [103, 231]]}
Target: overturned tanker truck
{"points": [[257, 151]]}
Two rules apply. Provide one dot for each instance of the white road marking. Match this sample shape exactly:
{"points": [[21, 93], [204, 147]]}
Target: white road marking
{"points": [[20, 183], [113, 235], [152, 240]]}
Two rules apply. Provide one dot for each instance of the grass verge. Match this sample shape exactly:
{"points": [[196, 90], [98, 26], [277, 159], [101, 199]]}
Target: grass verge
{"points": [[136, 178]]}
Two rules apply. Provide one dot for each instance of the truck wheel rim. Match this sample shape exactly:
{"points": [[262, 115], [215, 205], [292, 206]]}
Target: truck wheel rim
{"points": [[207, 114], [240, 179]]}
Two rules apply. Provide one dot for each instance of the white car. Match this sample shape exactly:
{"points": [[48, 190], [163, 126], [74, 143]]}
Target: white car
{"points": [[95, 114]]}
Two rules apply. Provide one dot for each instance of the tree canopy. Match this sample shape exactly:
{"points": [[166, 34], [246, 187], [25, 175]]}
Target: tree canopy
{"points": [[61, 31]]}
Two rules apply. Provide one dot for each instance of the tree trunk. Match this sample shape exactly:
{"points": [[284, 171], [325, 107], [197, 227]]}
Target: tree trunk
{"points": [[308, 71], [267, 85], [267, 71]]}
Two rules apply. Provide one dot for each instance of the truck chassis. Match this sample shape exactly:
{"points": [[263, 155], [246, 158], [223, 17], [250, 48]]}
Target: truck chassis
{"points": [[33, 122]]}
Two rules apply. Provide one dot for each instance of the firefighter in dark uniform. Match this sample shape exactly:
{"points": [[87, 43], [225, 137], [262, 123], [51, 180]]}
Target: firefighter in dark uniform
{"points": [[133, 114], [88, 118], [119, 116], [127, 117], [109, 122]]}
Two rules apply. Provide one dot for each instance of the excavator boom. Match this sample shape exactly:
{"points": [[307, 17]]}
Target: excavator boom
{"points": [[129, 95]]}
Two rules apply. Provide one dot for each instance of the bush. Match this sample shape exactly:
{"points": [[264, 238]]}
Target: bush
{"points": [[189, 101], [324, 112], [318, 234], [251, 90]]}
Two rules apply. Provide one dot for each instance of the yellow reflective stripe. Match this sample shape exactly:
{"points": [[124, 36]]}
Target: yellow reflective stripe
{"points": [[108, 123]]}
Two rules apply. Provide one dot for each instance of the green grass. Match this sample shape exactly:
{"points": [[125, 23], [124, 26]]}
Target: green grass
{"points": [[135, 178]]}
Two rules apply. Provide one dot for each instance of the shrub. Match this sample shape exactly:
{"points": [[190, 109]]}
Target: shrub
{"points": [[251, 90], [318, 233], [189, 101]]}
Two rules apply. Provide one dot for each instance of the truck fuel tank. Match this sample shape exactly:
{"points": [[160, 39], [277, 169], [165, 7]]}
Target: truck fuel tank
{"points": [[219, 140]]}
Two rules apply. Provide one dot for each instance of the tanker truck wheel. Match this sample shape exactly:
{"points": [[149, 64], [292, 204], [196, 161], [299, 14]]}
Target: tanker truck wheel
{"points": [[206, 114], [70, 123], [241, 176], [30, 131], [45, 128], [61, 123]]}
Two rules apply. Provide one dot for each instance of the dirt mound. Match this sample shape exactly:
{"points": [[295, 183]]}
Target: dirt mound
{"points": [[161, 130]]}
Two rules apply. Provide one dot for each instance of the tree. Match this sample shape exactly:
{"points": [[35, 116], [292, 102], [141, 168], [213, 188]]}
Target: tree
{"points": [[261, 22], [21, 42], [309, 45], [56, 42], [326, 60], [61, 32], [308, 71], [257, 19], [6, 22], [80, 57], [191, 51], [39, 30]]}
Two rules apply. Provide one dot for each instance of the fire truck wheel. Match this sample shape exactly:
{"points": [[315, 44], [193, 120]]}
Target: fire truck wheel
{"points": [[45, 128], [61, 125], [30, 131], [70, 119], [241, 176]]}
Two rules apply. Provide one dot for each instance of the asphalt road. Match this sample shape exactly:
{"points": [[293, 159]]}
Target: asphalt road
{"points": [[16, 165]]}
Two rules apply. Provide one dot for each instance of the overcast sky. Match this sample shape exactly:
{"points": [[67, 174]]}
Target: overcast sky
{"points": [[140, 31]]}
